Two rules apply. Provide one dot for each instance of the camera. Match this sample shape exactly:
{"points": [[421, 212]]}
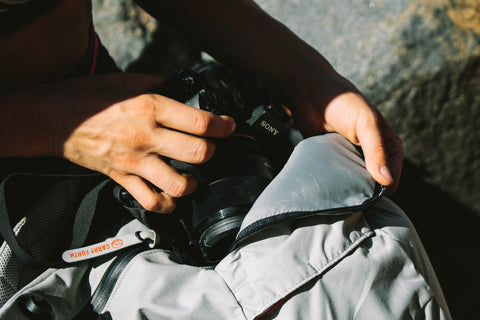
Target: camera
{"points": [[205, 223]]}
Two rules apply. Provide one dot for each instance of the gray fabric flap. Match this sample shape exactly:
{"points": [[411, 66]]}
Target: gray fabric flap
{"points": [[278, 261], [324, 174]]}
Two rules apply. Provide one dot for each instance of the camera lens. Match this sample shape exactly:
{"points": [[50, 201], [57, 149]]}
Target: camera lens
{"points": [[219, 217], [238, 173], [215, 241]]}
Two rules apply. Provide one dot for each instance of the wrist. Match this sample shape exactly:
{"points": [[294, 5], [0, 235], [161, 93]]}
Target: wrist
{"points": [[305, 76]]}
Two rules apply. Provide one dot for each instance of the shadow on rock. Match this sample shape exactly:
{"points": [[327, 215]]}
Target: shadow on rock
{"points": [[449, 231]]}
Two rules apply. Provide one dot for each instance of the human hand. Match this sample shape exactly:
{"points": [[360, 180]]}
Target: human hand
{"points": [[124, 133], [328, 102]]}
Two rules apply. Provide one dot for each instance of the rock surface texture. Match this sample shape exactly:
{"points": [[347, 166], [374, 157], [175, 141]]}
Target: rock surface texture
{"points": [[139, 43], [418, 61]]}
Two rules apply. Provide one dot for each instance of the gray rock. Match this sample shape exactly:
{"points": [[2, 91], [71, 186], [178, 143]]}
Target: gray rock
{"points": [[124, 29], [139, 43]]}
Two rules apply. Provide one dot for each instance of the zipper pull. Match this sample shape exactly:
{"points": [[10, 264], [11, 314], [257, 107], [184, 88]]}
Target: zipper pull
{"points": [[110, 245]]}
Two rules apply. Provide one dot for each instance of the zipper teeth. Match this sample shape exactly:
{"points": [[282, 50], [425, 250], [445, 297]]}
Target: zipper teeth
{"points": [[267, 222], [110, 277]]}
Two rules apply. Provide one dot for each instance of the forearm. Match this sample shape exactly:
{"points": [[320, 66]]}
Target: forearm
{"points": [[241, 34], [36, 120], [23, 130]]}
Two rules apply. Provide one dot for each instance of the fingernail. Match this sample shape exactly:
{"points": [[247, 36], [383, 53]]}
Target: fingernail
{"points": [[232, 123], [386, 174]]}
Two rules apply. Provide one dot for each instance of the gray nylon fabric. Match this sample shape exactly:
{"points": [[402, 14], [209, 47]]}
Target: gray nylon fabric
{"points": [[322, 173], [352, 263]]}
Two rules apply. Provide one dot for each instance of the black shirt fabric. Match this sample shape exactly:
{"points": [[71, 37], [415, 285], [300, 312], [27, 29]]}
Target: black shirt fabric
{"points": [[16, 13]]}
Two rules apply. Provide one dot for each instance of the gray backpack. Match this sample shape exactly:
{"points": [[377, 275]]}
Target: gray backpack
{"points": [[321, 242]]}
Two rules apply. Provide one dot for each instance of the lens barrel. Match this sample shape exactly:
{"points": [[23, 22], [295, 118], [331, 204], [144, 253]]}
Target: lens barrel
{"points": [[238, 173]]}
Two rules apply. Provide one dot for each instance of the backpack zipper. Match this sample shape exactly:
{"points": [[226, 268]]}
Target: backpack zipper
{"points": [[270, 221], [110, 277]]}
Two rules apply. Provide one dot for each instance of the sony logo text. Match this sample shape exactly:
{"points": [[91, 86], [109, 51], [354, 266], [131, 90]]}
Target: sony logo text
{"points": [[269, 127]]}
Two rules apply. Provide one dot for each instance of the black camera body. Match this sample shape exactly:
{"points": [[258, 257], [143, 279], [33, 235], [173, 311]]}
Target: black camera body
{"points": [[205, 224]]}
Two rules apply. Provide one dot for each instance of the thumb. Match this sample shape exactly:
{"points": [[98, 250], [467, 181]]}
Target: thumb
{"points": [[376, 158]]}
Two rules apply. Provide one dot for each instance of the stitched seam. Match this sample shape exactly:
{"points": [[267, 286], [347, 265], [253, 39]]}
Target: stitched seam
{"points": [[319, 270], [233, 293]]}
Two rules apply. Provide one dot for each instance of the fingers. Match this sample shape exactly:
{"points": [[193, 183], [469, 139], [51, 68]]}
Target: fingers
{"points": [[176, 115], [181, 146], [353, 117], [164, 177], [394, 150], [146, 196], [169, 185], [382, 148], [371, 141], [178, 137]]}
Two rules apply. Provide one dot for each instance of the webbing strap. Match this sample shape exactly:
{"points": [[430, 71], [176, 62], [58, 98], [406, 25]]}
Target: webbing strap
{"points": [[71, 199]]}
